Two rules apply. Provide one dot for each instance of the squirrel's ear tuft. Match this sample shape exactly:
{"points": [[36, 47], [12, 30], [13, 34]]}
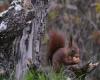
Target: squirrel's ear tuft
{"points": [[70, 41]]}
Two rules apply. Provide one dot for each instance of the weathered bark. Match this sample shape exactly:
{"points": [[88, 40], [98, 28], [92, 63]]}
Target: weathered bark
{"points": [[33, 40], [23, 30]]}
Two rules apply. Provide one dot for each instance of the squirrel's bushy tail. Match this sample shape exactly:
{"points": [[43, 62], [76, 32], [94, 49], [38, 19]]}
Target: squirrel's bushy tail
{"points": [[56, 41]]}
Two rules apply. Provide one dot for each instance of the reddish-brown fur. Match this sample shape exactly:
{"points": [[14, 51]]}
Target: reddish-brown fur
{"points": [[58, 54], [3, 7]]}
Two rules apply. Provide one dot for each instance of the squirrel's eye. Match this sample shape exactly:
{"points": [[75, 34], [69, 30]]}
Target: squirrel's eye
{"points": [[73, 51]]}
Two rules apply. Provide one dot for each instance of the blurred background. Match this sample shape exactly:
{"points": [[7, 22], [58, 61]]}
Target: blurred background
{"points": [[81, 18]]}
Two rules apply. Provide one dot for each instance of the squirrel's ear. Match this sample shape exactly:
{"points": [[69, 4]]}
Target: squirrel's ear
{"points": [[70, 43]]}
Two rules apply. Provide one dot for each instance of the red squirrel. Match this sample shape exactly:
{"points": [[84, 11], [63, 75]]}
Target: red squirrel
{"points": [[59, 54]]}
